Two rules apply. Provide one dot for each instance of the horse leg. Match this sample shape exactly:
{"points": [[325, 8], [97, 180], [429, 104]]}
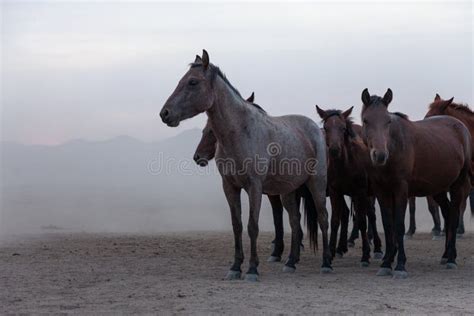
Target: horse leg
{"points": [[412, 207], [342, 245], [317, 186], [378, 254], [434, 211], [445, 205], [386, 205], [460, 229], [355, 230], [291, 204], [335, 220], [361, 205], [232, 195], [400, 207], [255, 201], [278, 244]]}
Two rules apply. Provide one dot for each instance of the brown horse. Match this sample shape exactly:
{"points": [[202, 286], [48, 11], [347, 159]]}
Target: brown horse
{"points": [[422, 158], [348, 161]]}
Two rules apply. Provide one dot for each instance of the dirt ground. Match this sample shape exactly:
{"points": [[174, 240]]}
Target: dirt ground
{"points": [[183, 273]]}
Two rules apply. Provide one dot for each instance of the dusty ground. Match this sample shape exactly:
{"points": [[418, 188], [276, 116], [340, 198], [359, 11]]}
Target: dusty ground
{"points": [[182, 273]]}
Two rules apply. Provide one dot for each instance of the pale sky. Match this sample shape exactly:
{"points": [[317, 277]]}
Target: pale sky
{"points": [[98, 70]]}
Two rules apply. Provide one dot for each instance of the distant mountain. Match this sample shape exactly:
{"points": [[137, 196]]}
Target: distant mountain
{"points": [[120, 184]]}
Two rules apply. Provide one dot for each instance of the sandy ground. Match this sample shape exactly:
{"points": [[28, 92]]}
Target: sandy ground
{"points": [[182, 273]]}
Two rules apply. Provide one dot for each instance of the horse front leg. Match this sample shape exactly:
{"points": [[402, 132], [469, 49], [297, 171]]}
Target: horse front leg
{"points": [[361, 204], [412, 207], [386, 209], [378, 254], [232, 195], [401, 200], [460, 227], [255, 201], [342, 244], [355, 229], [278, 244], [335, 221]]}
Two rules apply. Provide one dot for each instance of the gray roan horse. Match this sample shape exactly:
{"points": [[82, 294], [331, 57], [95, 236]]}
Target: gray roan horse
{"points": [[255, 152], [206, 151]]}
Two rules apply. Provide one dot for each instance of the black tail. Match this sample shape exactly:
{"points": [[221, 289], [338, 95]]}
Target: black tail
{"points": [[311, 218]]}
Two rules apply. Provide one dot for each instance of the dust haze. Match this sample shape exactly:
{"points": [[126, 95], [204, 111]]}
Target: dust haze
{"points": [[83, 148]]}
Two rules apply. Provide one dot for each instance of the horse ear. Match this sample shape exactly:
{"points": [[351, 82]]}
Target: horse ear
{"points": [[198, 60], [366, 97], [321, 112], [437, 98], [205, 59], [387, 98], [251, 98], [450, 101], [347, 113]]}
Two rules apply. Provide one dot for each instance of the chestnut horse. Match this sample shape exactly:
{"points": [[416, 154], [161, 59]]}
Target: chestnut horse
{"points": [[258, 153], [206, 151], [422, 158], [348, 161]]}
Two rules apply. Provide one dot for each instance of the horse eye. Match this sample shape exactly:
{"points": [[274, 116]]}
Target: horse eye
{"points": [[366, 122], [193, 82], [389, 121]]}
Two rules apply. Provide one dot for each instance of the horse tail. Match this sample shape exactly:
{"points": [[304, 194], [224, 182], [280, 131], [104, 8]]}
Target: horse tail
{"points": [[311, 218]]}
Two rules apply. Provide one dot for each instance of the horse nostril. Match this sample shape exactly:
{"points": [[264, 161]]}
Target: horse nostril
{"points": [[164, 113], [196, 157]]}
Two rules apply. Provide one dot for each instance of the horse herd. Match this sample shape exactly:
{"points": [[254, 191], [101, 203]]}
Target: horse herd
{"points": [[290, 159]]}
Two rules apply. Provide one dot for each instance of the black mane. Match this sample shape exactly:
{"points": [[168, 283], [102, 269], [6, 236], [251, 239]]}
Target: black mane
{"points": [[349, 121]]}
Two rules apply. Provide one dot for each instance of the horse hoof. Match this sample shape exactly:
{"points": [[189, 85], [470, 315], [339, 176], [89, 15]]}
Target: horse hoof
{"points": [[437, 237], [400, 274], [451, 266], [364, 264], [326, 270], [378, 255], [288, 269], [443, 261], [339, 255], [384, 272], [233, 275], [250, 277], [459, 236], [274, 259], [407, 236], [350, 244]]}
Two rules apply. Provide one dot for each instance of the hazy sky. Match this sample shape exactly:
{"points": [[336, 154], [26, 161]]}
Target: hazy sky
{"points": [[98, 70]]}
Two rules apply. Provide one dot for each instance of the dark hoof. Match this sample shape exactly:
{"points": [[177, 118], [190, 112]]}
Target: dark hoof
{"points": [[408, 236], [437, 237], [326, 270], [378, 255], [339, 255], [400, 274], [250, 277], [274, 259], [384, 272], [459, 235], [364, 264], [443, 261], [350, 244], [288, 269], [451, 266], [233, 275]]}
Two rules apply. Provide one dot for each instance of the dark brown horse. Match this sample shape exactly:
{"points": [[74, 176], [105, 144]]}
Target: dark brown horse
{"points": [[422, 158], [348, 161]]}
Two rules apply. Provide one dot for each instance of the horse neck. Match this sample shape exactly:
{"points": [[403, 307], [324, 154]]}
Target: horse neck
{"points": [[228, 114]]}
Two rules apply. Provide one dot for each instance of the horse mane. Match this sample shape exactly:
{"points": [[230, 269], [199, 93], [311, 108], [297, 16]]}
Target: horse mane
{"points": [[402, 115], [349, 121], [216, 71], [462, 107]]}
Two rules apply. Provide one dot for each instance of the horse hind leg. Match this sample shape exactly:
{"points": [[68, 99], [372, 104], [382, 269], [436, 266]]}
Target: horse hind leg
{"points": [[291, 204], [378, 253], [255, 200], [342, 245], [445, 205], [335, 221], [412, 208], [278, 244]]}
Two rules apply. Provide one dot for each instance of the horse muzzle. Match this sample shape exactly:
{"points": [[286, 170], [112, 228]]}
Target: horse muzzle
{"points": [[168, 119], [378, 157]]}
